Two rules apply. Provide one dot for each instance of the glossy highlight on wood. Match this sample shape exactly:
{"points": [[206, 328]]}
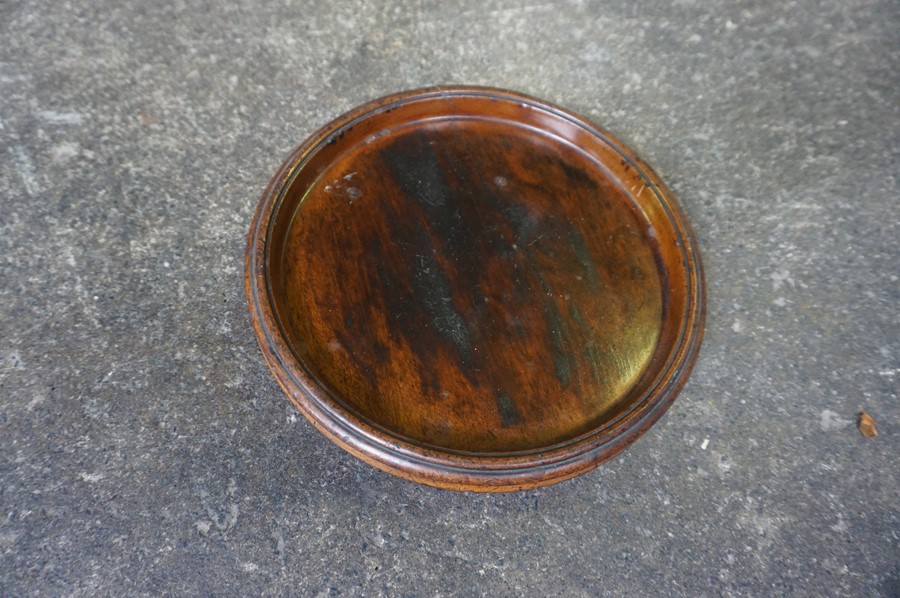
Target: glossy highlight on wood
{"points": [[473, 289]]}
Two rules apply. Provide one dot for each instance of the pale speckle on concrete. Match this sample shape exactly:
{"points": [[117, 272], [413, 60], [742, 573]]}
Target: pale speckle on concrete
{"points": [[64, 151], [91, 477], [203, 527], [25, 168], [146, 450], [830, 420], [60, 118]]}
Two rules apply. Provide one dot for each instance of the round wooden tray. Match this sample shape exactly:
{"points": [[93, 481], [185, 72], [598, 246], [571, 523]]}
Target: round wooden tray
{"points": [[474, 289]]}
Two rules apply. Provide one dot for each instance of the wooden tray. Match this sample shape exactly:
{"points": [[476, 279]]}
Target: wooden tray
{"points": [[474, 289]]}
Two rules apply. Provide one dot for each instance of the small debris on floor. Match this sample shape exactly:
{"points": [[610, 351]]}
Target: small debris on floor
{"points": [[867, 425]]}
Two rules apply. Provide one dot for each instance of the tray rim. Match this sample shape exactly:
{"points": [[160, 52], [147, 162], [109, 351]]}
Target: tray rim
{"points": [[446, 468]]}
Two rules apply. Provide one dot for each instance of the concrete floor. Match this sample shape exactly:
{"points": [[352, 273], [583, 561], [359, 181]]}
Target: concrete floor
{"points": [[146, 450]]}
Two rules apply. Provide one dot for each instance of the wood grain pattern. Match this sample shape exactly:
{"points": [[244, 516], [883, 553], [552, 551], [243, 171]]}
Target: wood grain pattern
{"points": [[472, 289]]}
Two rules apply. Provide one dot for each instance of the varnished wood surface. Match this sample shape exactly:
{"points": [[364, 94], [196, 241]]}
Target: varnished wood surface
{"points": [[472, 289]]}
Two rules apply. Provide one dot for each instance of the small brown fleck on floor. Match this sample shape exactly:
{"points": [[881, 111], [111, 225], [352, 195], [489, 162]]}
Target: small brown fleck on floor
{"points": [[867, 425]]}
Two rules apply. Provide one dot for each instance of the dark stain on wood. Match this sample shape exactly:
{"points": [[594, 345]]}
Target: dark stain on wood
{"points": [[441, 230], [509, 415]]}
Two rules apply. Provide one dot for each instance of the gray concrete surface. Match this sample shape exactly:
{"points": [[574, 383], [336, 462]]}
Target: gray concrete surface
{"points": [[146, 450]]}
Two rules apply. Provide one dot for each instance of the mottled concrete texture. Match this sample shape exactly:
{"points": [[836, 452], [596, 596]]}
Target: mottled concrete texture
{"points": [[146, 450]]}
